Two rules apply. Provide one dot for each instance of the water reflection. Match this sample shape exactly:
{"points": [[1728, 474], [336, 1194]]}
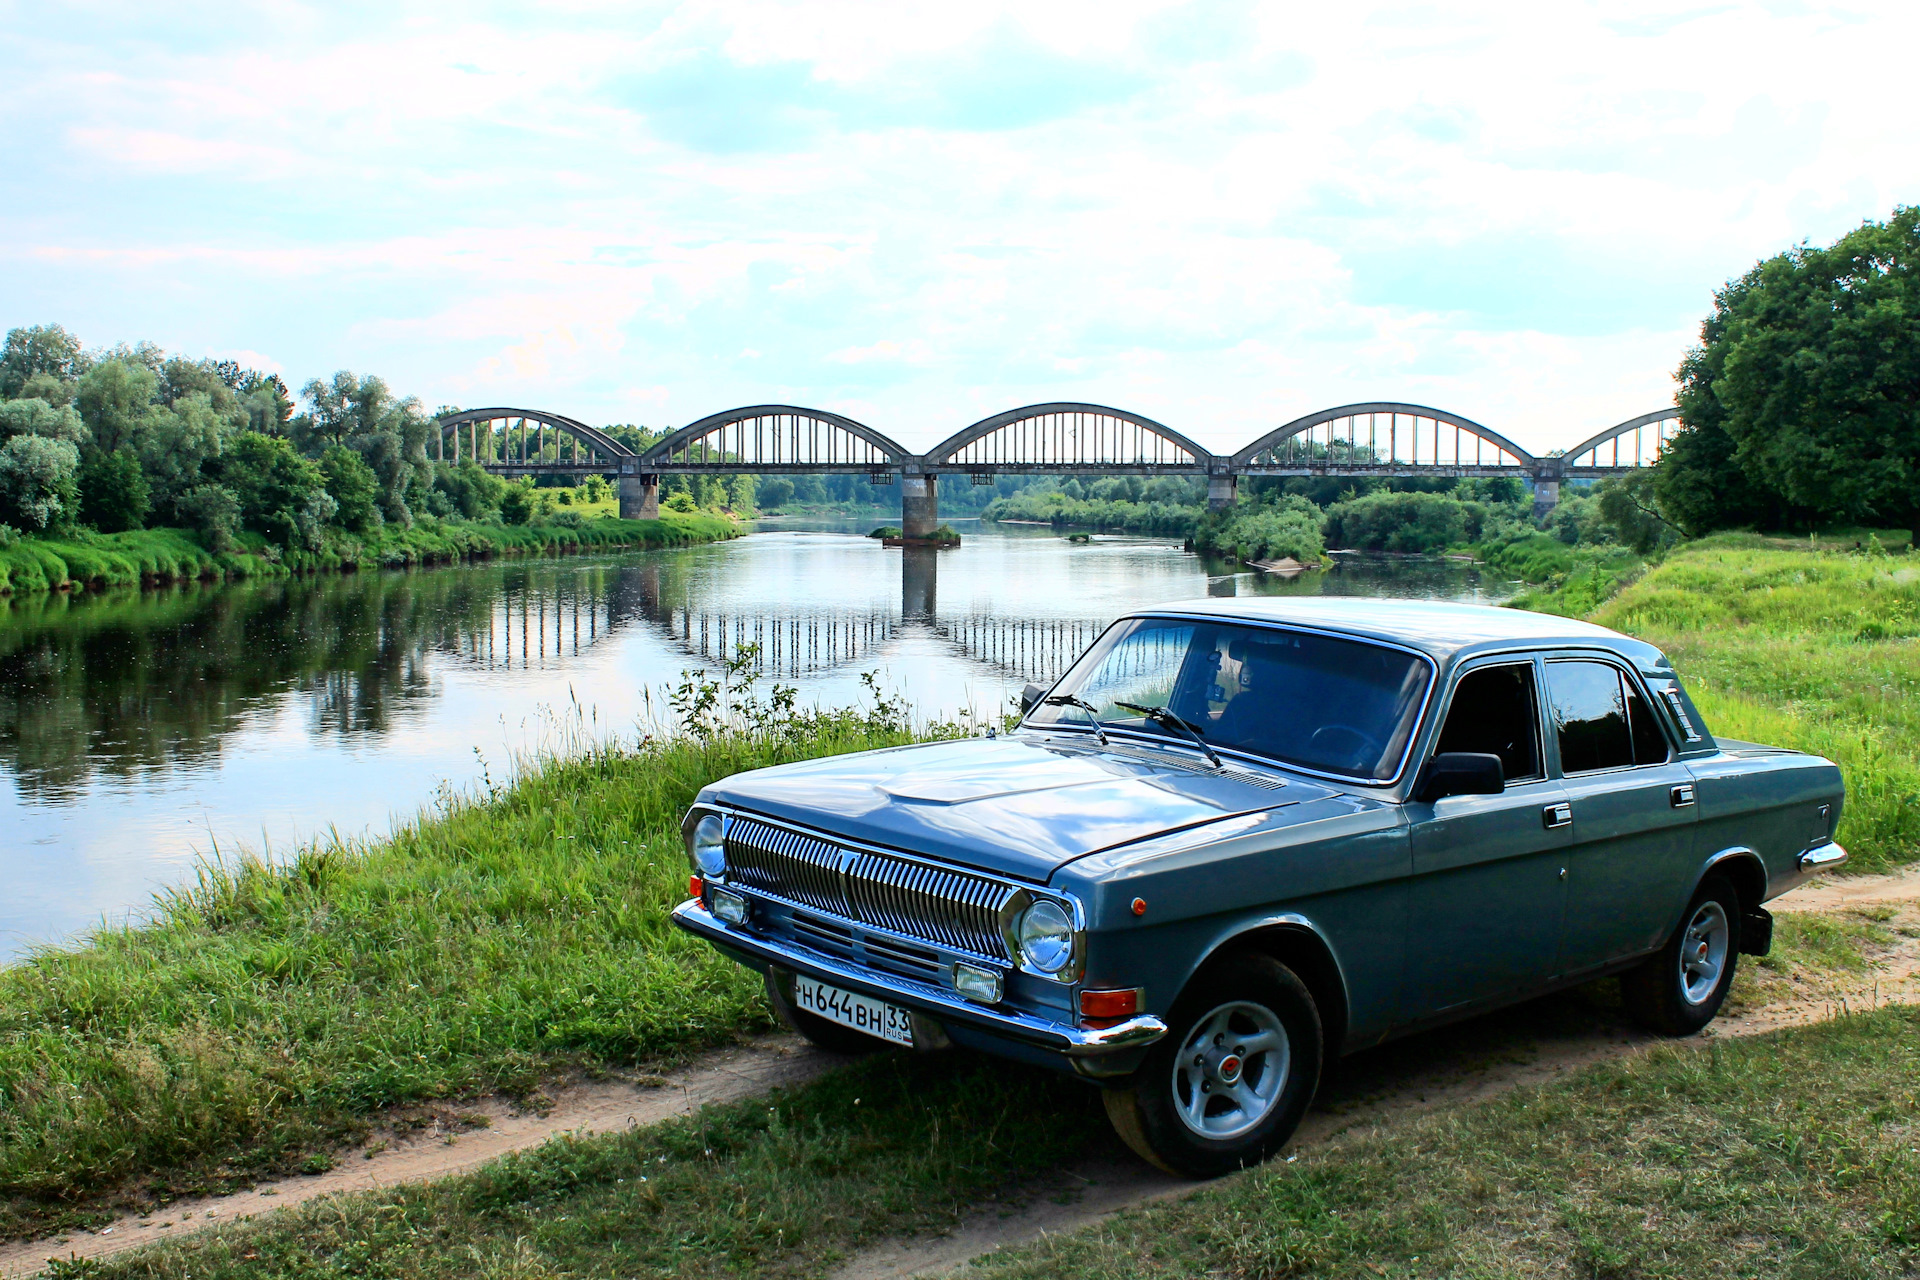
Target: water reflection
{"points": [[136, 730]]}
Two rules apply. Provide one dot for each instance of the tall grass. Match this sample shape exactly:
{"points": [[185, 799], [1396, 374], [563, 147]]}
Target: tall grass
{"points": [[1816, 650], [269, 1008]]}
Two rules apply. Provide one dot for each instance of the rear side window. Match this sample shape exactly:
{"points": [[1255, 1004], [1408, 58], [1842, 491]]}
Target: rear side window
{"points": [[1600, 719], [1493, 711]]}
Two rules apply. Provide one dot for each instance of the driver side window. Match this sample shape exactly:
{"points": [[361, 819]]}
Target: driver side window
{"points": [[1494, 711]]}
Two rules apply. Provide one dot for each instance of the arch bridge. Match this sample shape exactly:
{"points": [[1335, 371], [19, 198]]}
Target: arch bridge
{"points": [[1383, 438]]}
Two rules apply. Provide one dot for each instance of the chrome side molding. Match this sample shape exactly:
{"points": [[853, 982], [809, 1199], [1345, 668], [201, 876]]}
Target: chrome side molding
{"points": [[1823, 857]]}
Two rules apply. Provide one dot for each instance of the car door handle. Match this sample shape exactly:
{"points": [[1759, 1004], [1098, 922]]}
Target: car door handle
{"points": [[1557, 815], [1682, 795]]}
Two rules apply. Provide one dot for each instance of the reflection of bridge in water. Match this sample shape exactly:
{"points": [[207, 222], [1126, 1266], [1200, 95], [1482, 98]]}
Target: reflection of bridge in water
{"points": [[548, 624]]}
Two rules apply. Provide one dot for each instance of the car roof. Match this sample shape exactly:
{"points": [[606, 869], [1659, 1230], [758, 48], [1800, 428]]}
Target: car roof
{"points": [[1441, 629]]}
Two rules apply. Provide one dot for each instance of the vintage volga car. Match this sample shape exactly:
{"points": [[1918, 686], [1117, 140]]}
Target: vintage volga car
{"points": [[1240, 838]]}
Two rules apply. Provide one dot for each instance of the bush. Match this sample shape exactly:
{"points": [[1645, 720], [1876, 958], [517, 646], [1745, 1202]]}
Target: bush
{"points": [[1287, 527], [39, 481], [517, 505], [353, 486], [1408, 522], [114, 494]]}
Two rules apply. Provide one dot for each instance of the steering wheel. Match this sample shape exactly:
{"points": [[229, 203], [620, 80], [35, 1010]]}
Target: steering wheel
{"points": [[1364, 744]]}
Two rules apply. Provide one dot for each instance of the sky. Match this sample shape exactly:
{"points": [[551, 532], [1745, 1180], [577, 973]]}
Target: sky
{"points": [[1222, 215]]}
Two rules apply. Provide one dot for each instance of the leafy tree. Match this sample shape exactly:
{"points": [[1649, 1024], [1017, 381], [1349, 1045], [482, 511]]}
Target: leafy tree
{"points": [[179, 448], [470, 491], [181, 377], [353, 486], [38, 481], [214, 511], [517, 504], [36, 417], [680, 502], [279, 493], [775, 491], [1629, 506], [114, 493], [1802, 399], [39, 349], [116, 400]]}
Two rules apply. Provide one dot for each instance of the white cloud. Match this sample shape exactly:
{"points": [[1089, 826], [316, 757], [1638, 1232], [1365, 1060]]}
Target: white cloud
{"points": [[1517, 212]]}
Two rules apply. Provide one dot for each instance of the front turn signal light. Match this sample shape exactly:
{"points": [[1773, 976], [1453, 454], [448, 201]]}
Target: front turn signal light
{"points": [[695, 887], [1109, 1005]]}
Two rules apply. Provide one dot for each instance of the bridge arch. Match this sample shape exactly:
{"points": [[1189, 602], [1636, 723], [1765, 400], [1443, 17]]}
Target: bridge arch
{"points": [[765, 438], [1068, 436], [518, 445], [1650, 433], [1382, 436]]}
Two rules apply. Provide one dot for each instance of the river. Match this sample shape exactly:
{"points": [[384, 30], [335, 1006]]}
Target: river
{"points": [[143, 731]]}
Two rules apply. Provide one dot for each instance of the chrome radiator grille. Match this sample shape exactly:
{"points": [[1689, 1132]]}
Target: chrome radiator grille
{"points": [[941, 905]]}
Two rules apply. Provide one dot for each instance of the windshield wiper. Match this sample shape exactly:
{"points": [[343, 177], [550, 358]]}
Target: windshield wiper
{"points": [[1166, 719], [1093, 712]]}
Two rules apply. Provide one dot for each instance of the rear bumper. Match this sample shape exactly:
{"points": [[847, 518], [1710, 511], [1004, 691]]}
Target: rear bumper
{"points": [[1093, 1051], [1823, 857]]}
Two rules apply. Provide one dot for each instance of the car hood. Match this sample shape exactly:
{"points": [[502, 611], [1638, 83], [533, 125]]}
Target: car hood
{"points": [[1019, 805]]}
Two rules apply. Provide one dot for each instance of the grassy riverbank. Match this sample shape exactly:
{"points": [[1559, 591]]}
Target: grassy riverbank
{"points": [[152, 556], [905, 1145], [265, 1013]]}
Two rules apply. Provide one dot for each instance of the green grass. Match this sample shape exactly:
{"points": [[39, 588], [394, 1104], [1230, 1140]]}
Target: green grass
{"points": [[1814, 650], [266, 1012], [1790, 1155], [90, 560], [900, 1145], [85, 560]]}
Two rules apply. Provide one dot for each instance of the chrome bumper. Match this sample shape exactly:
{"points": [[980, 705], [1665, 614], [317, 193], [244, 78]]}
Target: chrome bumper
{"points": [[1823, 857], [1072, 1042]]}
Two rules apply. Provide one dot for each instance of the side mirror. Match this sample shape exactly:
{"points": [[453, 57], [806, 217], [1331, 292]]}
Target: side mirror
{"points": [[1029, 696], [1461, 773]]}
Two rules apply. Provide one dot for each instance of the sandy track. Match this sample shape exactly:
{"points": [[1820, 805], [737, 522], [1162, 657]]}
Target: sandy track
{"points": [[1487, 1056], [460, 1137]]}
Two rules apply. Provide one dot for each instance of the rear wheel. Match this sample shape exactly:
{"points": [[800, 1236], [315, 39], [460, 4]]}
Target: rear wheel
{"points": [[1680, 988], [1229, 1083], [830, 1036]]}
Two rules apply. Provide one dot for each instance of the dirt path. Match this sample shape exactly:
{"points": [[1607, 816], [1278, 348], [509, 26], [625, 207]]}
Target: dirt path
{"points": [[1475, 1060], [437, 1142], [1458, 1064]]}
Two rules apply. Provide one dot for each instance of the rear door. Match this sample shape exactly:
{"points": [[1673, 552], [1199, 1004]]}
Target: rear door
{"points": [[1488, 871], [1633, 860]]}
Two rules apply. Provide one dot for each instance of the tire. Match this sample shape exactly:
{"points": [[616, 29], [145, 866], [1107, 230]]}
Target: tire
{"points": [[1172, 1113], [830, 1036], [1680, 987]]}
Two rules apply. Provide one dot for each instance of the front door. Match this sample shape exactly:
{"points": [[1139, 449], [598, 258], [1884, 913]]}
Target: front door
{"points": [[1633, 860], [1489, 872]]}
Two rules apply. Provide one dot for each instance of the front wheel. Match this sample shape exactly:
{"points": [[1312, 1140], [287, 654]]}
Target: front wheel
{"points": [[1680, 988], [1229, 1083]]}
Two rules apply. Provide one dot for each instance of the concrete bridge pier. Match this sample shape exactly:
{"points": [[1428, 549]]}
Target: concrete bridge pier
{"points": [[1546, 493], [1223, 490], [919, 506], [639, 497]]}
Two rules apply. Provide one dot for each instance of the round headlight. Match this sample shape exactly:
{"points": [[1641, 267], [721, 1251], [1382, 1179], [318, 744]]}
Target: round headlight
{"points": [[1046, 937], [705, 847]]}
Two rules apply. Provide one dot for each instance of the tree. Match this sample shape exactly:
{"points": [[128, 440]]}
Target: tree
{"points": [[179, 448], [116, 401], [38, 481], [38, 418], [1809, 368], [114, 494], [280, 493], [40, 349], [353, 486]]}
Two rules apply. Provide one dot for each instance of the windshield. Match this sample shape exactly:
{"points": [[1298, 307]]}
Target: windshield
{"points": [[1322, 702]]}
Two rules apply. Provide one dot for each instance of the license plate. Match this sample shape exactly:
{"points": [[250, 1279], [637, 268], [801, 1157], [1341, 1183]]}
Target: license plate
{"points": [[862, 1013]]}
